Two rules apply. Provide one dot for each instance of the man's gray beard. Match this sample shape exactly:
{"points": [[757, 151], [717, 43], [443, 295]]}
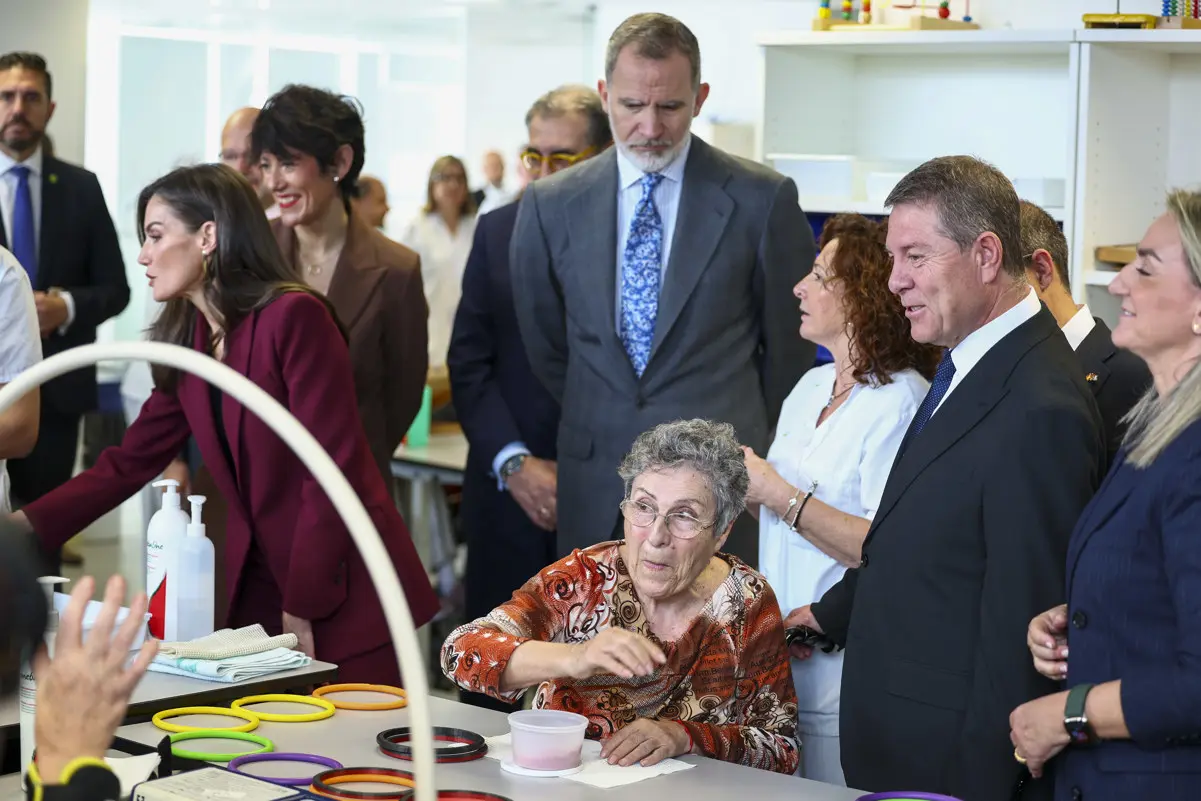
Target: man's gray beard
{"points": [[650, 163]]}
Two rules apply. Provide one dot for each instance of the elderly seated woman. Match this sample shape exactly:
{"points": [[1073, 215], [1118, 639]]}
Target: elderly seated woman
{"points": [[665, 644]]}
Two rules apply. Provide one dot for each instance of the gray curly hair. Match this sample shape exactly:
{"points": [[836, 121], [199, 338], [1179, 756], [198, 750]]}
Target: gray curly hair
{"points": [[709, 448]]}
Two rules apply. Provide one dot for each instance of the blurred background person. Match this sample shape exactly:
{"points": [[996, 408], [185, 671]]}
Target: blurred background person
{"points": [[237, 152], [839, 431], [510, 419], [371, 201], [494, 193], [56, 222], [310, 145], [1128, 640], [442, 234]]}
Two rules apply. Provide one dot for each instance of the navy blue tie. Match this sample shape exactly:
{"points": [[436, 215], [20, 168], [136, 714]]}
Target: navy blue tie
{"points": [[24, 239], [938, 388]]}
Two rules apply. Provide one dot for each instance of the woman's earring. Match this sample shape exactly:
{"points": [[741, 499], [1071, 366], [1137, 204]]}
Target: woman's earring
{"points": [[206, 265], [1197, 327], [337, 179]]}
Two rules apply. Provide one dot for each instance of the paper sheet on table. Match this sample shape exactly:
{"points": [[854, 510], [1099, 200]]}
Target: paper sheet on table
{"points": [[597, 772]]}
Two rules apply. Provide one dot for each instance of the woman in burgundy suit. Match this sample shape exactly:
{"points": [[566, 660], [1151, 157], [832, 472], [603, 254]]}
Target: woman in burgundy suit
{"points": [[291, 564]]}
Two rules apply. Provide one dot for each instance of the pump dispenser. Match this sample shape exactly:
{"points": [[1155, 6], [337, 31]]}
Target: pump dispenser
{"points": [[29, 688], [167, 527], [190, 594]]}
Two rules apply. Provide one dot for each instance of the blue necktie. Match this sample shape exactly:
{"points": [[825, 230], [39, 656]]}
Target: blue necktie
{"points": [[938, 388], [640, 274], [23, 240]]}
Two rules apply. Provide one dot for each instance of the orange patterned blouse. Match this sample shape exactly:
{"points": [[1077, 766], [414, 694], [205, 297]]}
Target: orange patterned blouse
{"points": [[727, 679]]}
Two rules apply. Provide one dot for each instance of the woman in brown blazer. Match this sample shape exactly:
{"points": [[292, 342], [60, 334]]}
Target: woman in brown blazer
{"points": [[310, 145]]}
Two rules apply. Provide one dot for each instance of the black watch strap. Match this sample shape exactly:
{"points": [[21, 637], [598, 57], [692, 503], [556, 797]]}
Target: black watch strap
{"points": [[1074, 720]]}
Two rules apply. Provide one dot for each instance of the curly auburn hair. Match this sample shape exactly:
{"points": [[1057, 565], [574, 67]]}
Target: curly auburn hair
{"points": [[879, 333]]}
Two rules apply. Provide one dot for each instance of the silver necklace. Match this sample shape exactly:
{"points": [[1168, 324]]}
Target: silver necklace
{"points": [[836, 395]]}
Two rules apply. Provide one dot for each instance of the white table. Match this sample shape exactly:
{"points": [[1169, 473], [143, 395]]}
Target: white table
{"points": [[159, 691], [349, 737]]}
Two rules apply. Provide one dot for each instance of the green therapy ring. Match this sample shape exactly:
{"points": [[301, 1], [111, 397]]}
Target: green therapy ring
{"points": [[218, 734]]}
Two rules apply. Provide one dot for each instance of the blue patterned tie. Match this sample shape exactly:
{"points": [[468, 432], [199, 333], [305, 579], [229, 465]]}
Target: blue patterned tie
{"points": [[938, 388], [23, 240], [640, 274]]}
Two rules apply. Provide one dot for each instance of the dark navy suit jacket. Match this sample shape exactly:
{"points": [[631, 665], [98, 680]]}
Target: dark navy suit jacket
{"points": [[1134, 612], [498, 400]]}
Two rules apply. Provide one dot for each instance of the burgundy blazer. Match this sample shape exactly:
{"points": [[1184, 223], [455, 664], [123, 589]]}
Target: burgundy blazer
{"points": [[377, 293], [294, 351]]}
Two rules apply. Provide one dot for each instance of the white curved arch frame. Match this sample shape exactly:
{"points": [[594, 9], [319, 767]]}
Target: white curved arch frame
{"points": [[314, 457]]}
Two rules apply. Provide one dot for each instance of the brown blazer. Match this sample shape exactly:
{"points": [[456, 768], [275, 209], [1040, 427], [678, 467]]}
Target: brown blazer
{"points": [[377, 292]]}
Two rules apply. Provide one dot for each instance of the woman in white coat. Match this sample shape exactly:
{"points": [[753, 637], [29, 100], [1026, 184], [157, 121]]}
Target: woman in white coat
{"points": [[838, 434]]}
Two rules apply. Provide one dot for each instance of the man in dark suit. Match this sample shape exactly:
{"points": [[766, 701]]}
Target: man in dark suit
{"points": [[1117, 378], [654, 282], [56, 222], [970, 539], [510, 419]]}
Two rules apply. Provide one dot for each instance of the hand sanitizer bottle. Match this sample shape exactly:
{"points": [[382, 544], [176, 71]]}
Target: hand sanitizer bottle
{"points": [[28, 693], [190, 593], [167, 527]]}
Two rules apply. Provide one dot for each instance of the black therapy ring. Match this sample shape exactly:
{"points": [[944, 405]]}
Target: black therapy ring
{"points": [[327, 783], [395, 743]]}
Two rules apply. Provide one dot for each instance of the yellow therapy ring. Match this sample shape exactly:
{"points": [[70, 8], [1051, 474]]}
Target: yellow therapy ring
{"points": [[400, 702], [160, 718], [326, 708]]}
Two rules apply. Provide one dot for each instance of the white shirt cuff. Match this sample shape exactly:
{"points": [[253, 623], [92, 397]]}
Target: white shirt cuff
{"points": [[506, 453], [70, 301]]}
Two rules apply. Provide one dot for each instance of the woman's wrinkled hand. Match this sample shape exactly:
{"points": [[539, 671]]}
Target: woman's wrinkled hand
{"points": [[646, 742], [618, 652], [303, 629], [766, 485], [1048, 642], [84, 690]]}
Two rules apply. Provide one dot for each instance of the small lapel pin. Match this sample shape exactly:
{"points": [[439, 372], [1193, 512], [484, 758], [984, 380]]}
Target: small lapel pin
{"points": [[1091, 378], [53, 178]]}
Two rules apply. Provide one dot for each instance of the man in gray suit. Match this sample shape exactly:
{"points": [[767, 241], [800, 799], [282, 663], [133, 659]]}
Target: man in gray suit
{"points": [[654, 282]]}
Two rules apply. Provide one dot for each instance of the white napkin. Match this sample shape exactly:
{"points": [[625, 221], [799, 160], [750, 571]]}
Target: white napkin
{"points": [[132, 771], [597, 772], [228, 643], [235, 668]]}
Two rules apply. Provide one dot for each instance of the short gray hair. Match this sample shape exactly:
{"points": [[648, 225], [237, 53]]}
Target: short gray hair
{"points": [[575, 99], [971, 197], [709, 448], [654, 36], [1041, 232]]}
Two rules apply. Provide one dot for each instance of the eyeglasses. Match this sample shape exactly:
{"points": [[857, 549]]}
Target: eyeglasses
{"points": [[449, 177], [532, 160], [681, 525]]}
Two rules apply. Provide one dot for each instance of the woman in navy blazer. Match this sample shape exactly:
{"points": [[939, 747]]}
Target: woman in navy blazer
{"points": [[1128, 641], [290, 562]]}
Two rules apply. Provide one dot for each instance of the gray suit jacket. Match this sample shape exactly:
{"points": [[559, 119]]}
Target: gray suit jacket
{"points": [[726, 342]]}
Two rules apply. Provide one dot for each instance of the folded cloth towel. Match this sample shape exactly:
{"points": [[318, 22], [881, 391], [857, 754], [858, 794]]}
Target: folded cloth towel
{"points": [[228, 642], [235, 668]]}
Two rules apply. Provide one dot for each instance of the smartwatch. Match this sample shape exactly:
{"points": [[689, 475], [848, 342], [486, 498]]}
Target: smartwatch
{"points": [[512, 466], [1074, 720]]}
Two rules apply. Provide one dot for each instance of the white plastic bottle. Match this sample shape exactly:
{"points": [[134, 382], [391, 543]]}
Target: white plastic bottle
{"points": [[28, 693], [191, 589], [167, 527]]}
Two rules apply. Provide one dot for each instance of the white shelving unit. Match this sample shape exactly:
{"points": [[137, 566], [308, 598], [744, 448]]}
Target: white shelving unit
{"points": [[900, 98], [1140, 111]]}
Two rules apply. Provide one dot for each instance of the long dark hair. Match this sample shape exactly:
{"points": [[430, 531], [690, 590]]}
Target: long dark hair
{"points": [[245, 272]]}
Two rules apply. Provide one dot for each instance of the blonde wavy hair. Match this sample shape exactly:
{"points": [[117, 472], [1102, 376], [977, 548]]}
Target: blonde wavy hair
{"points": [[1156, 421]]}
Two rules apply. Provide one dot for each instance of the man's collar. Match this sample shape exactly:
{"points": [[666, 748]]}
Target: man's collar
{"points": [[34, 162], [629, 173]]}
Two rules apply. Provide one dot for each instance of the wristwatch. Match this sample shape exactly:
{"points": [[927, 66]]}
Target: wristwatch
{"points": [[1074, 720], [512, 466]]}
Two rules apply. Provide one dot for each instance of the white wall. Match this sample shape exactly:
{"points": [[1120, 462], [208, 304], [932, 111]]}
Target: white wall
{"points": [[58, 30]]}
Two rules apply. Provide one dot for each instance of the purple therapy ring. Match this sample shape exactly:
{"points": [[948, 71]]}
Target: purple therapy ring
{"points": [[301, 781]]}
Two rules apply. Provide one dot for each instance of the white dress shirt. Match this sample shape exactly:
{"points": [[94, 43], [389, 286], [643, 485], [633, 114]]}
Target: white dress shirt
{"points": [[667, 201], [494, 198], [968, 353], [1079, 327], [8, 197], [443, 258], [849, 456], [20, 338]]}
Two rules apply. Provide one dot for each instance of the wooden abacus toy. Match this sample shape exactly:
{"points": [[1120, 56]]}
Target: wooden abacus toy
{"points": [[1174, 15], [920, 21]]}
